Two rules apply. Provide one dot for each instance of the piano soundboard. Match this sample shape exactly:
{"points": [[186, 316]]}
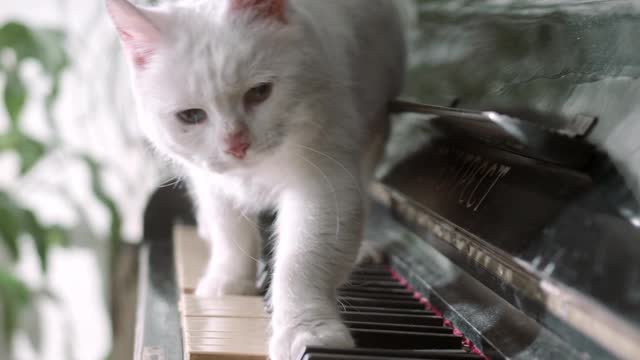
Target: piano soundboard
{"points": [[388, 319]]}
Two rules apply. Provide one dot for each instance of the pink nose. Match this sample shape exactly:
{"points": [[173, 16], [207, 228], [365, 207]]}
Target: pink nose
{"points": [[237, 144]]}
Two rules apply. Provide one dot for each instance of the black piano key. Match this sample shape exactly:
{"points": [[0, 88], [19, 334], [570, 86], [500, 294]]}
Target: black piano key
{"points": [[427, 320], [391, 284], [360, 357], [355, 357], [384, 310], [377, 295], [371, 272], [372, 277], [389, 339], [399, 327], [392, 354], [376, 290], [395, 304]]}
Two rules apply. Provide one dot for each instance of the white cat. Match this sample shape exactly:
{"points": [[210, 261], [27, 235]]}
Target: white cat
{"points": [[271, 103]]}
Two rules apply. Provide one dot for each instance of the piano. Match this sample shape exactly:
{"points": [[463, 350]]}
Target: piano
{"points": [[497, 245], [506, 233]]}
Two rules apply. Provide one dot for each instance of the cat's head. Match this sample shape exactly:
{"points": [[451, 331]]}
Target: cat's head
{"points": [[215, 80]]}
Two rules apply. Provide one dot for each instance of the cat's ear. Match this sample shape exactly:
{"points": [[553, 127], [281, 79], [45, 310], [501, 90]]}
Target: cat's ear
{"points": [[268, 9], [138, 35]]}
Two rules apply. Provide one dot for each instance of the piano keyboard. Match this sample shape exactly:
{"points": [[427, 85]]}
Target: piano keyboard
{"points": [[386, 318]]}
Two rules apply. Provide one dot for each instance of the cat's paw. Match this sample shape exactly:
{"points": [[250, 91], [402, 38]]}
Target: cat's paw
{"points": [[289, 343], [215, 286], [203, 232], [369, 254]]}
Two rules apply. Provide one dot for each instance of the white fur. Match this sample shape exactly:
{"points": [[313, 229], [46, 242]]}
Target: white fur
{"points": [[335, 64]]}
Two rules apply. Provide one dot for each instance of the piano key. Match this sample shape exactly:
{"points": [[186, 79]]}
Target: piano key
{"points": [[352, 357], [377, 290], [226, 351], [392, 318], [388, 339], [247, 341], [377, 295], [371, 278], [358, 357], [189, 246], [212, 324], [391, 284], [399, 327], [379, 270], [383, 271], [228, 338], [378, 309], [379, 354], [414, 304], [313, 353], [348, 308], [226, 306]]}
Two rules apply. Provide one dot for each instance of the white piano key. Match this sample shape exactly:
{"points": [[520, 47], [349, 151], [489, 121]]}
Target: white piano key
{"points": [[191, 256]]}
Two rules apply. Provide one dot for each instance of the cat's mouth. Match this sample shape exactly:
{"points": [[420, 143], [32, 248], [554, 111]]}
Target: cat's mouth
{"points": [[222, 166], [226, 164]]}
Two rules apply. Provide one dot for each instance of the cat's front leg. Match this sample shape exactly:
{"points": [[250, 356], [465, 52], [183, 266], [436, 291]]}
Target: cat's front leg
{"points": [[319, 236], [234, 242]]}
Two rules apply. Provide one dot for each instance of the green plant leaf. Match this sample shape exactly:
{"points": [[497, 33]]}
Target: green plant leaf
{"points": [[115, 228], [18, 37], [9, 231], [28, 149], [42, 44], [14, 297], [49, 102], [50, 50], [10, 224], [57, 236], [16, 221], [39, 235], [30, 152], [15, 95], [46, 46]]}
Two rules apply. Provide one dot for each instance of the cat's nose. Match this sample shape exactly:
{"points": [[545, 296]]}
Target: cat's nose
{"points": [[237, 144]]}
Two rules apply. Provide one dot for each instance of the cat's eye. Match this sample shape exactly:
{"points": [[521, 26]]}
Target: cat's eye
{"points": [[258, 94], [192, 116]]}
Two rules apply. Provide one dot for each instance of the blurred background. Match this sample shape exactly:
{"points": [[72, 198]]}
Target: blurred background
{"points": [[75, 173], [74, 179]]}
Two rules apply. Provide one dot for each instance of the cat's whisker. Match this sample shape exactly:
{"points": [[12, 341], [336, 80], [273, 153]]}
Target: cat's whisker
{"points": [[251, 222], [333, 189], [321, 128], [242, 250], [341, 304], [172, 182], [355, 180]]}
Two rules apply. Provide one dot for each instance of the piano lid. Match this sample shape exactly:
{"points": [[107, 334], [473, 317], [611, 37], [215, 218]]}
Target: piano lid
{"points": [[563, 57], [557, 210], [523, 219]]}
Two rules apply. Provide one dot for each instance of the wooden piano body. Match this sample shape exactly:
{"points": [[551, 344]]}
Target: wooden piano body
{"points": [[529, 246]]}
